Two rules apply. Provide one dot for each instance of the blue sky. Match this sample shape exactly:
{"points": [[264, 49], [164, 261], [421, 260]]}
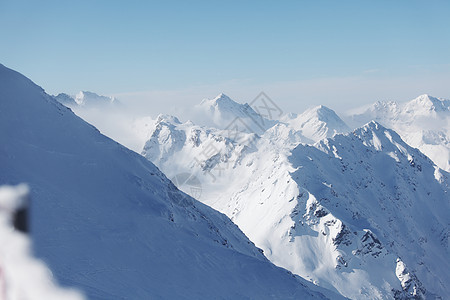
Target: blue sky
{"points": [[338, 53]]}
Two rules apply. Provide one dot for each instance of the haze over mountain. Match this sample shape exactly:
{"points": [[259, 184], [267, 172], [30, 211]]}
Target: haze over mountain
{"points": [[108, 222]]}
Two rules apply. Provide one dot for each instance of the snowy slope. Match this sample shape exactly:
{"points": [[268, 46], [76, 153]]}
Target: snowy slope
{"points": [[110, 223], [423, 123], [317, 123]]}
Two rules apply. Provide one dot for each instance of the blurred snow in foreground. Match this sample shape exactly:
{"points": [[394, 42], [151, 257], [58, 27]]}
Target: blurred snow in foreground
{"points": [[21, 275]]}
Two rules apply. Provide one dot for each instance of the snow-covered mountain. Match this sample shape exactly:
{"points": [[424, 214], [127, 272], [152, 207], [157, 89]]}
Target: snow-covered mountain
{"points": [[85, 99], [317, 123], [423, 123], [192, 143], [361, 213], [110, 223], [224, 113]]}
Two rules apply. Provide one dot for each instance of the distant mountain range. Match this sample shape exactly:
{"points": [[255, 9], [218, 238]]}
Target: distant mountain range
{"points": [[85, 99], [359, 212]]}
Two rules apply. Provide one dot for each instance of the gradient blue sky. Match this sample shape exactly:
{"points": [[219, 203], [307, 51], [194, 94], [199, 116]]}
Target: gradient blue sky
{"points": [[304, 52]]}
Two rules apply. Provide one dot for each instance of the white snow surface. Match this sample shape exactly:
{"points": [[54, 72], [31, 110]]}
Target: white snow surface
{"points": [[423, 123], [108, 222], [361, 213]]}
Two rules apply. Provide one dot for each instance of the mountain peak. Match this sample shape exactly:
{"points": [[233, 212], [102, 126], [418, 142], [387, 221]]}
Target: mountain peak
{"points": [[222, 101], [425, 104], [373, 125], [222, 97], [424, 97], [167, 119], [318, 123], [222, 112], [375, 135], [323, 113]]}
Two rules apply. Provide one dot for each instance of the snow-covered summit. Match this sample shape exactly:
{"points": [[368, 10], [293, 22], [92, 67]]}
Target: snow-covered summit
{"points": [[425, 105], [167, 119], [223, 113], [222, 101], [317, 123], [377, 137]]}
